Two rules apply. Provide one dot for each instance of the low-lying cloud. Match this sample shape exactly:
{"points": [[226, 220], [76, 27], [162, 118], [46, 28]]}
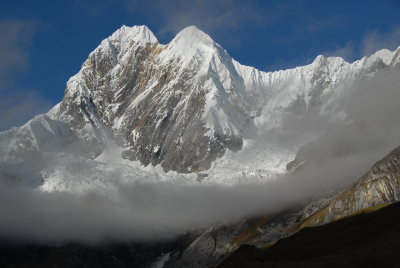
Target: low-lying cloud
{"points": [[137, 211], [372, 125]]}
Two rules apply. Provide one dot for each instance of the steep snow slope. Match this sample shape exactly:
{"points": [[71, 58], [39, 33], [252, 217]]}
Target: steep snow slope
{"points": [[189, 107]]}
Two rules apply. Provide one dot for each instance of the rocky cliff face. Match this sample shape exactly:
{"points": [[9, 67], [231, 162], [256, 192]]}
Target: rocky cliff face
{"points": [[152, 97]]}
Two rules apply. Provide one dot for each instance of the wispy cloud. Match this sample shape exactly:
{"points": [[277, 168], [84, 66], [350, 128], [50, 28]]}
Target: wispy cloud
{"points": [[15, 38], [370, 43], [212, 16], [222, 18], [347, 51], [16, 104], [377, 40]]}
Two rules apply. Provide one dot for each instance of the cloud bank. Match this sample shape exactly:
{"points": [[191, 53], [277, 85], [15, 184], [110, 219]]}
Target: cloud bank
{"points": [[139, 211]]}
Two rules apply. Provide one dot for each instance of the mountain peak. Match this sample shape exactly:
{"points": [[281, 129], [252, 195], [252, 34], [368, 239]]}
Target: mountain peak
{"points": [[320, 59], [193, 32], [139, 33], [192, 41], [192, 36]]}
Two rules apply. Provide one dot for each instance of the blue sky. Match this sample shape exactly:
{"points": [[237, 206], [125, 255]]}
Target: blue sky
{"points": [[43, 43]]}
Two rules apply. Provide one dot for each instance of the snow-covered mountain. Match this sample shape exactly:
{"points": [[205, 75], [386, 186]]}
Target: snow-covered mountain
{"points": [[185, 106]]}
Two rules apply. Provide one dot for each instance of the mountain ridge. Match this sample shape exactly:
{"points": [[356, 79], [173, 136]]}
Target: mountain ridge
{"points": [[207, 103]]}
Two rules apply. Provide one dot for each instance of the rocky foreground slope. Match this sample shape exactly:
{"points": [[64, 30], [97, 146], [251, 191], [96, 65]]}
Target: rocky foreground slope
{"points": [[377, 188], [364, 240]]}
